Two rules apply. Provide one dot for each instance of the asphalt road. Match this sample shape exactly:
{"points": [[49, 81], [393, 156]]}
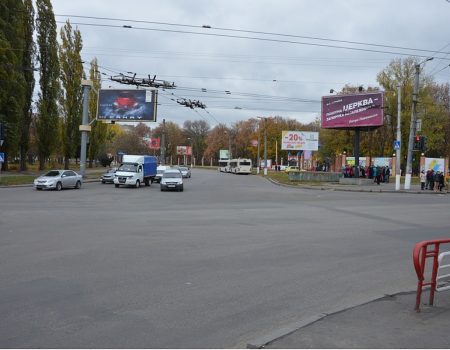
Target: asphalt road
{"points": [[229, 260]]}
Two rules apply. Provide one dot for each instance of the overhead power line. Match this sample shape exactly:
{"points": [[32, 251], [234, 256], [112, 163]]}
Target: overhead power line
{"points": [[247, 31], [255, 38]]}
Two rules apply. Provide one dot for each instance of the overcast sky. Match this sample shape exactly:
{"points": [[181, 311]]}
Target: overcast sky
{"points": [[270, 74]]}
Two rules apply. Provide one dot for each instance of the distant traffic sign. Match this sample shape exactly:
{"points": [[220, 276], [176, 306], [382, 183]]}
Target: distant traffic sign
{"points": [[396, 145], [2, 157]]}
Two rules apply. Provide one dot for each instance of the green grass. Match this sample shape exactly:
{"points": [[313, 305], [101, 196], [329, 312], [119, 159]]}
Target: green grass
{"points": [[9, 180]]}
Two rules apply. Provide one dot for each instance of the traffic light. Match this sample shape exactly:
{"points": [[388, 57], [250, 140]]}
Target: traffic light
{"points": [[420, 143], [2, 133], [423, 143], [416, 143]]}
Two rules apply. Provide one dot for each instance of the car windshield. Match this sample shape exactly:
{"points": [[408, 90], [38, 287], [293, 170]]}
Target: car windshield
{"points": [[160, 171], [172, 175], [183, 169], [52, 173], [128, 167]]}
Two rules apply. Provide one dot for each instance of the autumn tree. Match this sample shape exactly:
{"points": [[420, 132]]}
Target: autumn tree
{"points": [[71, 97], [47, 122], [97, 137], [28, 64], [196, 133], [13, 84]]}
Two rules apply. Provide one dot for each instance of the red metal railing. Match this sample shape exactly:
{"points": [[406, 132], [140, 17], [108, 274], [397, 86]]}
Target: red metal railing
{"points": [[420, 253]]}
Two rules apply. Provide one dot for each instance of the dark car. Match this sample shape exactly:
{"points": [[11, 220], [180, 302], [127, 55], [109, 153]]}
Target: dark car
{"points": [[108, 177]]}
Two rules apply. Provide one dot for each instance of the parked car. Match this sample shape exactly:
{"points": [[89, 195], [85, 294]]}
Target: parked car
{"points": [[185, 171], [172, 179], [291, 169], [159, 172], [108, 177], [58, 179]]}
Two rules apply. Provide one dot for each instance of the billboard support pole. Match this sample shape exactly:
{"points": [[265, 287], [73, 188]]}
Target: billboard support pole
{"points": [[356, 151], [87, 84]]}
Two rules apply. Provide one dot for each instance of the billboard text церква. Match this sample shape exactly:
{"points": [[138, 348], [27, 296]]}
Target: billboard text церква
{"points": [[353, 111]]}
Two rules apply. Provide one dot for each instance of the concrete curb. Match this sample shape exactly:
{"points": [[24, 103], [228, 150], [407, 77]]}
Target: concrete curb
{"points": [[261, 342], [31, 185]]}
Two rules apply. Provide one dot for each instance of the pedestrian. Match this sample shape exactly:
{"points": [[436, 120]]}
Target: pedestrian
{"points": [[387, 174], [441, 181], [379, 175], [436, 181], [423, 179]]}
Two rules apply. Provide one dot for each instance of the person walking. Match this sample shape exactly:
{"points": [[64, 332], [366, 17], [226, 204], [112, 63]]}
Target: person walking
{"points": [[423, 179]]}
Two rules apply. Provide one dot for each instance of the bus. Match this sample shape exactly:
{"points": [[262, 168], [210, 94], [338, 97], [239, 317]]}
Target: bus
{"points": [[241, 166], [224, 165]]}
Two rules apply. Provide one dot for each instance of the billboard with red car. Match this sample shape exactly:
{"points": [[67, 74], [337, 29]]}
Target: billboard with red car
{"points": [[353, 111], [127, 105]]}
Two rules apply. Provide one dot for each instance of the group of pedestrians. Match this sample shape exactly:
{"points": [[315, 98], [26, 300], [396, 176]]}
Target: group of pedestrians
{"points": [[379, 174], [432, 180]]}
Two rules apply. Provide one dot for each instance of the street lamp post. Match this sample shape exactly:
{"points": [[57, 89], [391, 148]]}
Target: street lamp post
{"points": [[412, 128]]}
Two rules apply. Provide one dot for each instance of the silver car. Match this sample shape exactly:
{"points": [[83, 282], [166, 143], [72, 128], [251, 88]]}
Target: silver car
{"points": [[58, 179], [185, 171], [108, 177]]}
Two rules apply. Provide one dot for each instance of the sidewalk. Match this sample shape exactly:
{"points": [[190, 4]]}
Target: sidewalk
{"points": [[389, 322], [382, 187]]}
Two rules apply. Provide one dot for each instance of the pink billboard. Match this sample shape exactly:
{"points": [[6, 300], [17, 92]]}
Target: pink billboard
{"points": [[352, 111]]}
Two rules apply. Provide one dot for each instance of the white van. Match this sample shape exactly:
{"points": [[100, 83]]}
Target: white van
{"points": [[160, 171]]}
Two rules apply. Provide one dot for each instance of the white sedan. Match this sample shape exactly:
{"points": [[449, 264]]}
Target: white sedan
{"points": [[58, 179]]}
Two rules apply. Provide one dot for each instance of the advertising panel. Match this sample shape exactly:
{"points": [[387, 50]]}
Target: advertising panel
{"points": [[299, 140], [127, 105], [436, 164], [154, 143], [352, 111], [184, 150], [223, 154]]}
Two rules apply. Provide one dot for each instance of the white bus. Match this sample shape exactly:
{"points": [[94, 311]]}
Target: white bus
{"points": [[224, 165], [241, 166]]}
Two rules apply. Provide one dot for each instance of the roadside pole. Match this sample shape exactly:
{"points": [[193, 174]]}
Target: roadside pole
{"points": [[163, 144], [412, 128], [265, 148], [84, 127], [399, 138]]}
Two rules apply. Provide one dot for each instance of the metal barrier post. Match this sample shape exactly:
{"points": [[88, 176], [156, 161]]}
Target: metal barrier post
{"points": [[420, 254]]}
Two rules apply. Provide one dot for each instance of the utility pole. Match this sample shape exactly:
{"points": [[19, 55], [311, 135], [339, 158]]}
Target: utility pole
{"points": [[265, 147], [258, 162], [163, 144], [84, 127], [399, 138], [412, 128]]}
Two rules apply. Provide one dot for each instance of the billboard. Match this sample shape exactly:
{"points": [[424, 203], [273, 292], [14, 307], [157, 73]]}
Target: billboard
{"points": [[436, 164], [127, 105], [299, 140], [184, 150], [154, 143], [223, 154], [352, 111]]}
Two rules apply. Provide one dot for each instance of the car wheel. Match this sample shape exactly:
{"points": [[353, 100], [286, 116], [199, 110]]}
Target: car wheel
{"points": [[103, 182], [116, 185], [59, 186], [138, 184], [78, 185], [39, 189]]}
